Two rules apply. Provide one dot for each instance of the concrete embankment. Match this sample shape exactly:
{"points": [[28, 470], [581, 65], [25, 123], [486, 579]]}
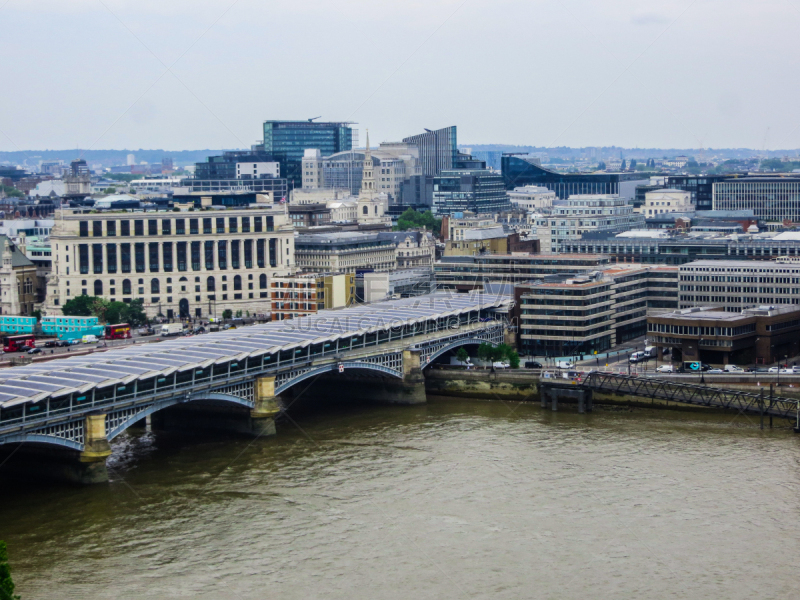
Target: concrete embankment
{"points": [[524, 386]]}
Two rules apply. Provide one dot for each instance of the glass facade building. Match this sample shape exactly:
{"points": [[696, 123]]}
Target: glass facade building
{"points": [[521, 170], [478, 190], [438, 150], [701, 187], [770, 198], [287, 141]]}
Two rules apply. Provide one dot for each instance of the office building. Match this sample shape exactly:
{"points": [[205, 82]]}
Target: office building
{"points": [[568, 220], [233, 178], [761, 335], [734, 285], [287, 141], [344, 252], [772, 199], [700, 186], [20, 282], [413, 249], [665, 201], [182, 264], [478, 191], [532, 198], [587, 314], [438, 150], [403, 283], [524, 170], [455, 226], [467, 273], [307, 294]]}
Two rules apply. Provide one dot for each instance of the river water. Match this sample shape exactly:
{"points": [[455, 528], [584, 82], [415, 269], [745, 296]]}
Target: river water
{"points": [[456, 499]]}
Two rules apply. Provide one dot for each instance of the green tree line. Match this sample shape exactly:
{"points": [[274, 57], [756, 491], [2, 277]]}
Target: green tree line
{"points": [[106, 310]]}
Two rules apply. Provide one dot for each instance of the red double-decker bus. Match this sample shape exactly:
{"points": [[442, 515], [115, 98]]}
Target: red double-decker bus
{"points": [[121, 331], [18, 343]]}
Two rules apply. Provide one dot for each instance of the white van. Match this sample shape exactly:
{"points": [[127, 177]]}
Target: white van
{"points": [[89, 339], [565, 364], [733, 369], [637, 356]]}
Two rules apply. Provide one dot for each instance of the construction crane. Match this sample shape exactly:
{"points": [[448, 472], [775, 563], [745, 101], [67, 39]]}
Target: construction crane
{"points": [[312, 119]]}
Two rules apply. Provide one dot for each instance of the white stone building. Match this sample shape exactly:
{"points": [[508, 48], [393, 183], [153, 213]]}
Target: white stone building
{"points": [[532, 198], [667, 201], [188, 263]]}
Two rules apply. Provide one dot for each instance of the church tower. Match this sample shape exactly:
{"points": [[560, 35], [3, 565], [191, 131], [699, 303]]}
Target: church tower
{"points": [[368, 187]]}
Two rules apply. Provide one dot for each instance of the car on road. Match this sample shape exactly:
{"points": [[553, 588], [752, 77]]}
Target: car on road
{"points": [[565, 364], [780, 370], [74, 342], [665, 369], [62, 343], [51, 344], [533, 364], [716, 372], [35, 351]]}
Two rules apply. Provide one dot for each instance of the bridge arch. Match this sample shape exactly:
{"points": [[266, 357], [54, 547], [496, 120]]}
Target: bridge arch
{"points": [[284, 381], [452, 346]]}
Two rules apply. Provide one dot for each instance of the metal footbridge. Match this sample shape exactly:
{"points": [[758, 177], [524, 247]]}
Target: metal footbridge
{"points": [[693, 393]]}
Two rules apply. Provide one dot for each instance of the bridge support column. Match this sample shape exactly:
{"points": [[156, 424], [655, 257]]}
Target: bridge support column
{"points": [[262, 417], [554, 400], [91, 466], [510, 338], [412, 389]]}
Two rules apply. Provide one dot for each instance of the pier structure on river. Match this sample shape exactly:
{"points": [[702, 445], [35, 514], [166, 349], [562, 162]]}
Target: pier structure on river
{"points": [[63, 413]]}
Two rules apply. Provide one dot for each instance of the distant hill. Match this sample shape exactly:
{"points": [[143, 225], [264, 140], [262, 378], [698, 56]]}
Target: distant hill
{"points": [[567, 152]]}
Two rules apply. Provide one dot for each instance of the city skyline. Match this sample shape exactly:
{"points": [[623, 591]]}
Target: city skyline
{"points": [[157, 76]]}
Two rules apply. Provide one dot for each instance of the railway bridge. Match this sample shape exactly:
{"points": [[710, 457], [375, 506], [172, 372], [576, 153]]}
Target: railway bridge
{"points": [[63, 413]]}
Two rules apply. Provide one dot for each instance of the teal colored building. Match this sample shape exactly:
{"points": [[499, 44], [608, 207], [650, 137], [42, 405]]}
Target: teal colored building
{"points": [[16, 325], [70, 328]]}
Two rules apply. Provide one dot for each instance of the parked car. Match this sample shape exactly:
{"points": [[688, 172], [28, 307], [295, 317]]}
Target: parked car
{"points": [[74, 342], [51, 344], [665, 369], [35, 351], [533, 364], [62, 343]]}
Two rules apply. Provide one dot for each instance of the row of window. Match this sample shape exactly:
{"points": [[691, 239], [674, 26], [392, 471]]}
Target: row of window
{"points": [[198, 253], [210, 225], [155, 285]]}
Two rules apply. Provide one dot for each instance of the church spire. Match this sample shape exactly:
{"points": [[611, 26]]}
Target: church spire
{"points": [[368, 187]]}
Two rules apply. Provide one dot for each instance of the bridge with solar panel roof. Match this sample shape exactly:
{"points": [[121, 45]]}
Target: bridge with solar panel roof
{"points": [[75, 406]]}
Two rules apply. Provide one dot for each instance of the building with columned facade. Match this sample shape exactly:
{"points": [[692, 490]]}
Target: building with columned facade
{"points": [[182, 264]]}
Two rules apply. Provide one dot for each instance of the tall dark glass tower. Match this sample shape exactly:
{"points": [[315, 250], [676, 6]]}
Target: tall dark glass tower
{"points": [[286, 141], [438, 150]]}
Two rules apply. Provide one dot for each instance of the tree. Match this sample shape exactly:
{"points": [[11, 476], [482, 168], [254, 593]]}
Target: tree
{"points": [[227, 313], [462, 355], [412, 219], [38, 314], [136, 316], [110, 190], [633, 163], [623, 167], [489, 353], [79, 306], [11, 192], [601, 166], [116, 312], [6, 583], [100, 308]]}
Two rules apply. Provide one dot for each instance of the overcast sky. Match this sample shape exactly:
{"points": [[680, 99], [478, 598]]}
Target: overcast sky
{"points": [[180, 74]]}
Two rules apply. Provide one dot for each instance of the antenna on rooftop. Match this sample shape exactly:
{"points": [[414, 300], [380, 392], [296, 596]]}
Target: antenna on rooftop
{"points": [[312, 119]]}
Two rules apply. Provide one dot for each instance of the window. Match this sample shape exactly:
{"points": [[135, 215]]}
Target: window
{"points": [[153, 252], [248, 254], [211, 285], [195, 256], [235, 254], [262, 281], [126, 287], [365, 210], [180, 226], [167, 253], [111, 228], [232, 227], [193, 226], [125, 228], [152, 227], [98, 288], [209, 252], [245, 224], [97, 228], [181, 251], [220, 224], [111, 258], [154, 286], [222, 254], [206, 225], [260, 244], [237, 283], [139, 257], [257, 224], [83, 228], [83, 258], [97, 257], [166, 227], [125, 257], [138, 227]]}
